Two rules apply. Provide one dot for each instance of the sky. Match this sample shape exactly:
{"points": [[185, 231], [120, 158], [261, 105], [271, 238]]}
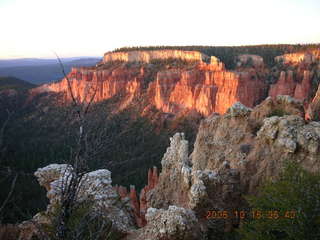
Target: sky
{"points": [[37, 28]]}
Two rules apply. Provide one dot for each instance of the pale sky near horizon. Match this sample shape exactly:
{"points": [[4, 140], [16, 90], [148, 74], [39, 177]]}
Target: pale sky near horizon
{"points": [[36, 28]]}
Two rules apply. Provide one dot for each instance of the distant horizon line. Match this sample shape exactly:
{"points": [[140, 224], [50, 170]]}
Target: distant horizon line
{"points": [[150, 46], [47, 58]]}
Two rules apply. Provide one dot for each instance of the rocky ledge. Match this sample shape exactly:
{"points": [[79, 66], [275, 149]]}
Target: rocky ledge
{"points": [[233, 155]]}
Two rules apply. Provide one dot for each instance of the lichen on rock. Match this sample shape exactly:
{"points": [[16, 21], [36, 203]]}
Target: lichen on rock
{"points": [[172, 224]]}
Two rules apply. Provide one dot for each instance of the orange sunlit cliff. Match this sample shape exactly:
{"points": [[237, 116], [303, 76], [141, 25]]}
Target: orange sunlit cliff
{"points": [[201, 83]]}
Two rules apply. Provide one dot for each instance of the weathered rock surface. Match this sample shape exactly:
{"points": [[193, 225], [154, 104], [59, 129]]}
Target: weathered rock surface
{"points": [[95, 186], [147, 56], [152, 183], [203, 87], [307, 57], [258, 142], [249, 60], [198, 190], [287, 85], [313, 112], [284, 86], [299, 78], [207, 91], [139, 205], [171, 224], [233, 155], [102, 84]]}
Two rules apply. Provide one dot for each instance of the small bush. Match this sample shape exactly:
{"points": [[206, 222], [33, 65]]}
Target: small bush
{"points": [[294, 200], [277, 112], [84, 223]]}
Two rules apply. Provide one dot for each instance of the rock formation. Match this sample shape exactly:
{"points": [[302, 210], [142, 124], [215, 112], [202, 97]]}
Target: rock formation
{"points": [[298, 78], [203, 87], [199, 190], [206, 91], [173, 223], [313, 112], [102, 84], [258, 141], [307, 57], [233, 155], [284, 86], [140, 205], [95, 186], [287, 85], [147, 56], [250, 60]]}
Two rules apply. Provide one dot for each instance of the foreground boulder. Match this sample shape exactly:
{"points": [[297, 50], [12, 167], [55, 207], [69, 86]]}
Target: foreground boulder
{"points": [[95, 187], [258, 142], [234, 154], [173, 223], [202, 190]]}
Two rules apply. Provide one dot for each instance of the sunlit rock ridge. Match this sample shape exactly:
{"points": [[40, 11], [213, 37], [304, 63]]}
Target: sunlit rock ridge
{"points": [[173, 81], [233, 155], [147, 56]]}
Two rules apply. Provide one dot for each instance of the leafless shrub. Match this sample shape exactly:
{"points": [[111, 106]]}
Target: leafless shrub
{"points": [[74, 219]]}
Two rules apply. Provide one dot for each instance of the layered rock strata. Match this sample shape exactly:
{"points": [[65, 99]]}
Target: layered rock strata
{"points": [[147, 56], [299, 78], [287, 85], [206, 91], [205, 88], [200, 86], [307, 57]]}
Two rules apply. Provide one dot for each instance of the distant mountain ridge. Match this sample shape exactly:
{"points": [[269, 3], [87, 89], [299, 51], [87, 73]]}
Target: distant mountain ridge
{"points": [[40, 61], [39, 71], [14, 83]]}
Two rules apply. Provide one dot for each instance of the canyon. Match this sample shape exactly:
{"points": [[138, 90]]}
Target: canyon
{"points": [[200, 83], [255, 117], [233, 155]]}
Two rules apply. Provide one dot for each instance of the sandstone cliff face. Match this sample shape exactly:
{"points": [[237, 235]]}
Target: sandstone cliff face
{"points": [[147, 56], [205, 88], [298, 78], [258, 141], [313, 111], [202, 87], [307, 57], [102, 83], [233, 155], [207, 91], [287, 85]]}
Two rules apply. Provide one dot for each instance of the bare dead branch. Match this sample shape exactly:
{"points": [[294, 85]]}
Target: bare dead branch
{"points": [[13, 184]]}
